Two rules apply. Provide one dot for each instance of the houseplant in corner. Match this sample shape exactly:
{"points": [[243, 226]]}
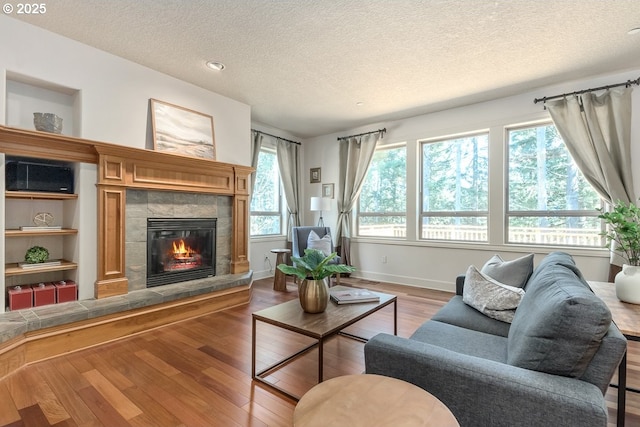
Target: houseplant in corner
{"points": [[623, 237], [313, 270]]}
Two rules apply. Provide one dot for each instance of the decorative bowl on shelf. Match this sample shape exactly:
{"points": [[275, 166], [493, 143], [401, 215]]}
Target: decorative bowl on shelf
{"points": [[47, 122]]}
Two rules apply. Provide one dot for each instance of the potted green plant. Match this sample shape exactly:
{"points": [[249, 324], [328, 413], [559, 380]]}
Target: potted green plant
{"points": [[623, 237], [36, 255], [313, 269]]}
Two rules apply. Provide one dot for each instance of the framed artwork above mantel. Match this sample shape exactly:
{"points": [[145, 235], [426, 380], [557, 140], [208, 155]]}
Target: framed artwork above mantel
{"points": [[179, 130]]}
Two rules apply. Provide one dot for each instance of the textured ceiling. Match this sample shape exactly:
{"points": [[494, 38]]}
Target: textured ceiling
{"points": [[303, 64]]}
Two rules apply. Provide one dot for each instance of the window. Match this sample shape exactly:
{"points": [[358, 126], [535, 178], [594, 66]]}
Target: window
{"points": [[454, 188], [266, 199], [549, 200], [382, 205]]}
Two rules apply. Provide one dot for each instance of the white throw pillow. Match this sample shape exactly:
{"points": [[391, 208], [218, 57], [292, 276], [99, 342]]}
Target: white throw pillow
{"points": [[490, 297], [322, 244]]}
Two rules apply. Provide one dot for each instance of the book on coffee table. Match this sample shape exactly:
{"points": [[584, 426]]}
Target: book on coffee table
{"points": [[353, 296]]}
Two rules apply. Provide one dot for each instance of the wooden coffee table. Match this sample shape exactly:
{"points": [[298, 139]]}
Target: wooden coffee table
{"points": [[368, 401], [627, 318], [320, 326]]}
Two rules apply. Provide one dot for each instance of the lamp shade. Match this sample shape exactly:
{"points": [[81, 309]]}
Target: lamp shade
{"points": [[320, 204]]}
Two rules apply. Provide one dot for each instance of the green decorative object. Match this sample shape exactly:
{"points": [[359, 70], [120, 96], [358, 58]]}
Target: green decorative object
{"points": [[36, 254], [623, 233], [314, 265], [313, 269], [623, 237]]}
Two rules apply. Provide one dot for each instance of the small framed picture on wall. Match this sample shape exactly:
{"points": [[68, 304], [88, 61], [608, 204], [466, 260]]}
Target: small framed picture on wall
{"points": [[314, 176], [327, 190]]}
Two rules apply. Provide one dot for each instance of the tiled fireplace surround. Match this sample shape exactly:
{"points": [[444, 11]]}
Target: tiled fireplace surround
{"points": [[142, 204]]}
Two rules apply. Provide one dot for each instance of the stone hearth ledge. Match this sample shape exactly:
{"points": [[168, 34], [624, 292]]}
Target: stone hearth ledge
{"points": [[16, 323]]}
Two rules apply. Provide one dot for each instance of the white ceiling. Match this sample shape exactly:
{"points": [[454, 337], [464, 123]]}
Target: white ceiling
{"points": [[303, 65]]}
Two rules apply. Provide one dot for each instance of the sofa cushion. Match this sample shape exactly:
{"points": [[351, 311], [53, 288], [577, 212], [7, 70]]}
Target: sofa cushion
{"points": [[456, 312], [555, 258], [513, 273], [490, 297], [559, 324], [462, 340]]}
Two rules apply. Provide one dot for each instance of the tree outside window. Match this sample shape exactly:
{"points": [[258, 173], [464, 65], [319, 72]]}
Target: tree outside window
{"points": [[266, 198], [549, 200], [454, 188], [382, 205]]}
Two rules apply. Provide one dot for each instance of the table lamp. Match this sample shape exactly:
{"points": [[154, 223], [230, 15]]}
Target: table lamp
{"points": [[320, 204]]}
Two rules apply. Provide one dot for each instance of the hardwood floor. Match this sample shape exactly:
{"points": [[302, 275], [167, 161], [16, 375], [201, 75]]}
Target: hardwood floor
{"points": [[197, 372]]}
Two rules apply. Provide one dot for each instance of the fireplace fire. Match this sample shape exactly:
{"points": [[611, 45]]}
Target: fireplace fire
{"points": [[182, 257], [180, 249]]}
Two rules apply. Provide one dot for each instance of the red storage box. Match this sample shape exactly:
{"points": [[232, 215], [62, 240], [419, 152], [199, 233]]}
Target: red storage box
{"points": [[66, 290], [43, 294], [20, 297]]}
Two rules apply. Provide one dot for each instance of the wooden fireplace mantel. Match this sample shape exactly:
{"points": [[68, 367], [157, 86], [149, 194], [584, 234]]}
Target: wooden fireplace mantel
{"points": [[120, 168]]}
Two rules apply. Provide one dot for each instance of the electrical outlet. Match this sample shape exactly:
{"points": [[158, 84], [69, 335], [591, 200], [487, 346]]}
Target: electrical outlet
{"points": [[384, 259]]}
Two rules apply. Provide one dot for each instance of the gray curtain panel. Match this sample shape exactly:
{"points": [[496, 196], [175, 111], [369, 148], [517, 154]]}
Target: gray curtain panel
{"points": [[256, 144], [597, 132], [287, 154], [355, 156]]}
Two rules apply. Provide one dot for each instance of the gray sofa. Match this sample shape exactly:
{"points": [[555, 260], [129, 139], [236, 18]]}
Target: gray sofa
{"points": [[550, 367]]}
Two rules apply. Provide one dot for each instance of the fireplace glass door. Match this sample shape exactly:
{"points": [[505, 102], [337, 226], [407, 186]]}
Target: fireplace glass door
{"points": [[180, 249]]}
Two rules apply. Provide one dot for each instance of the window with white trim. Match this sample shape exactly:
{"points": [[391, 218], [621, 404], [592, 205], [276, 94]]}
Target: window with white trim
{"points": [[382, 205], [266, 198], [454, 188], [549, 202]]}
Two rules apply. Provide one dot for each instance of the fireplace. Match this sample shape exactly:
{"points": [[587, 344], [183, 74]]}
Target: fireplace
{"points": [[180, 249]]}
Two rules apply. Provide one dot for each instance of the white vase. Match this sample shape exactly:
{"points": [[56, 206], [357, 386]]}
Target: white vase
{"points": [[628, 284]]}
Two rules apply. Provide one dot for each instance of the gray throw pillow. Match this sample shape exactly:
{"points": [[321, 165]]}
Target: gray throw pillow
{"points": [[559, 324], [490, 297], [513, 273]]}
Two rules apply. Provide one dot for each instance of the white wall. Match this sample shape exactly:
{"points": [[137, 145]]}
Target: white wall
{"points": [[104, 98], [435, 265]]}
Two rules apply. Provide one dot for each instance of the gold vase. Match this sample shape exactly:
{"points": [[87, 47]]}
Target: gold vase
{"points": [[314, 295]]}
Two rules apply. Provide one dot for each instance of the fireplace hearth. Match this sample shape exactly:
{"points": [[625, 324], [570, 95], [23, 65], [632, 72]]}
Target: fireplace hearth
{"points": [[180, 249]]}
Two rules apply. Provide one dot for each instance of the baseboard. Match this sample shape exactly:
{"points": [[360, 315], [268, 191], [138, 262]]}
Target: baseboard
{"points": [[406, 280], [264, 274]]}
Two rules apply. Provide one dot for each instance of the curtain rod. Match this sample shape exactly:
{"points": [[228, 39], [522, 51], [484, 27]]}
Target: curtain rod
{"points": [[277, 137], [383, 130], [580, 92]]}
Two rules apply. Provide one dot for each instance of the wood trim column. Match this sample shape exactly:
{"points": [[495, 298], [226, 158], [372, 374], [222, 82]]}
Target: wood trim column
{"points": [[241, 215], [111, 228]]}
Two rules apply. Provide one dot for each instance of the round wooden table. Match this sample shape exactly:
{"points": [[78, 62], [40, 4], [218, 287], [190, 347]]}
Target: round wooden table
{"points": [[368, 401], [280, 279]]}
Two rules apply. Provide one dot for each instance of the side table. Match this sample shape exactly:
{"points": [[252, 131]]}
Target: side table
{"points": [[280, 279], [367, 400]]}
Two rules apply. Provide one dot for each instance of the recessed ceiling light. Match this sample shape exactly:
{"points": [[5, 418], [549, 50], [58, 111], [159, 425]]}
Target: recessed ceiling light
{"points": [[215, 65], [634, 31], [359, 104]]}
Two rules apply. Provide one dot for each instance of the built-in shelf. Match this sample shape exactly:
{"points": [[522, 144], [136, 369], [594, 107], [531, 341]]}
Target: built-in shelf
{"points": [[39, 195], [12, 269], [31, 233]]}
